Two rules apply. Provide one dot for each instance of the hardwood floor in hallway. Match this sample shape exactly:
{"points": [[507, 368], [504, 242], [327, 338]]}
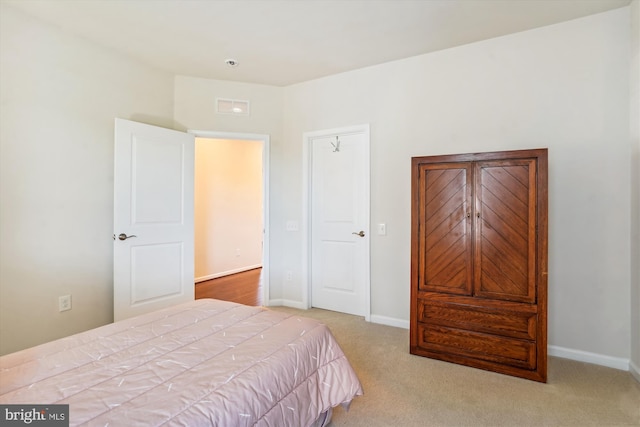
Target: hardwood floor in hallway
{"points": [[244, 288]]}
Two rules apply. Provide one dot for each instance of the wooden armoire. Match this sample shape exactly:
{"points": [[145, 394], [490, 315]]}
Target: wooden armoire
{"points": [[479, 260]]}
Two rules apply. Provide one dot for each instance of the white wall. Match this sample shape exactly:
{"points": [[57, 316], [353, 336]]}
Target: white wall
{"points": [[635, 187], [59, 96], [564, 87], [228, 207], [194, 108]]}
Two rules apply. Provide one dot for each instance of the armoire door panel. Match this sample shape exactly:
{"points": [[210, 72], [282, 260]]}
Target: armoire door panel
{"points": [[501, 211], [519, 242], [503, 272], [507, 188], [451, 229], [505, 230], [447, 272], [445, 212], [441, 184]]}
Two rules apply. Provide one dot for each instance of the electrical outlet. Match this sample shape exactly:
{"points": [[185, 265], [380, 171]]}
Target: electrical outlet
{"points": [[288, 276], [64, 303], [292, 225], [238, 252]]}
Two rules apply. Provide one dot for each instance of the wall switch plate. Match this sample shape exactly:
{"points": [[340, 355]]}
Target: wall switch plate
{"points": [[292, 225], [64, 303], [382, 229]]}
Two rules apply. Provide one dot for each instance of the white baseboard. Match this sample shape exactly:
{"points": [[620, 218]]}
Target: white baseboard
{"points": [[585, 356], [273, 303], [286, 303], [390, 321], [635, 370], [227, 273]]}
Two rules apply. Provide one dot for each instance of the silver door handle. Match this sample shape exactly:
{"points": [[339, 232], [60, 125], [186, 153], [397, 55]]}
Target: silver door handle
{"points": [[123, 236], [361, 233]]}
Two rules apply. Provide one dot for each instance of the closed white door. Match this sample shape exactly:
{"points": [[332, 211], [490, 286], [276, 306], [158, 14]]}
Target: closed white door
{"points": [[153, 218], [339, 214]]}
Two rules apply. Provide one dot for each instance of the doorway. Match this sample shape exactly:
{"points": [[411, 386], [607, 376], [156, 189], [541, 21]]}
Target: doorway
{"points": [[231, 207]]}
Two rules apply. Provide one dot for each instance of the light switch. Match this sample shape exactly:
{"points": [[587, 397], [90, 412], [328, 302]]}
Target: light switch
{"points": [[292, 225], [382, 229]]}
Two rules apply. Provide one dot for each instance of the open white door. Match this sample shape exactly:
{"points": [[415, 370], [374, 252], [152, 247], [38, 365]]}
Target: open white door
{"points": [[153, 218]]}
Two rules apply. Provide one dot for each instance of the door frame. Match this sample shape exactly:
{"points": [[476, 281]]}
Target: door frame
{"points": [[307, 158], [265, 139]]}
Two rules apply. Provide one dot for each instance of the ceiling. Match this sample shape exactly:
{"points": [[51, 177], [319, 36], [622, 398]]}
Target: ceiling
{"points": [[282, 42]]}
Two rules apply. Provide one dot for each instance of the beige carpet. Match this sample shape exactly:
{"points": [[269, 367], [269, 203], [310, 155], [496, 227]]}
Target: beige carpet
{"points": [[405, 390]]}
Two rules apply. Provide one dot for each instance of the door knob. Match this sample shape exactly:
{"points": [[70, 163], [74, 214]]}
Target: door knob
{"points": [[123, 236], [361, 233]]}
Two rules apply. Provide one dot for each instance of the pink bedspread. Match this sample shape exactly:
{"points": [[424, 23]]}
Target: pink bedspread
{"points": [[203, 363]]}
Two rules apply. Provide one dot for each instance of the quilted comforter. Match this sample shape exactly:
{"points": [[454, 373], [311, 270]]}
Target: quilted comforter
{"points": [[204, 363]]}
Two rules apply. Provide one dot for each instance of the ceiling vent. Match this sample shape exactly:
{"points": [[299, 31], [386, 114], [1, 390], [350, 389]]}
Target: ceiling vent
{"points": [[238, 107]]}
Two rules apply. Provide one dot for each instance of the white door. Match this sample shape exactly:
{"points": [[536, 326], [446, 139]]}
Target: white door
{"points": [[153, 218], [339, 213]]}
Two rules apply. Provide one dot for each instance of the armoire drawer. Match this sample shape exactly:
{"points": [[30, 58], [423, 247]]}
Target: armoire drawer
{"points": [[476, 345], [487, 318]]}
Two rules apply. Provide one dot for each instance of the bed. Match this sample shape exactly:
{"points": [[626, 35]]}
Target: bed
{"points": [[203, 363]]}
